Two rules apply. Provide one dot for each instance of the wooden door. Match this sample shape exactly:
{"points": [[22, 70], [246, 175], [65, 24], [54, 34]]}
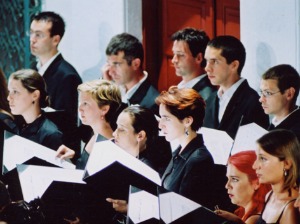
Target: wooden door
{"points": [[228, 18], [178, 14], [162, 18]]}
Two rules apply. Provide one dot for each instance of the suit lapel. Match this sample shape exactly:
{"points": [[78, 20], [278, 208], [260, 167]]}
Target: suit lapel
{"points": [[52, 66], [233, 103], [140, 93]]}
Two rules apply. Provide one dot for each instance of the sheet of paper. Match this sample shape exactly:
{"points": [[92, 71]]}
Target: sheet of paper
{"points": [[106, 152], [218, 143], [246, 137], [35, 180], [18, 150], [142, 206], [48, 109], [174, 206]]}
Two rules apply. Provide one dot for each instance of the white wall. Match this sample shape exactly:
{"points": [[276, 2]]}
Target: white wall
{"points": [[270, 31], [90, 24]]}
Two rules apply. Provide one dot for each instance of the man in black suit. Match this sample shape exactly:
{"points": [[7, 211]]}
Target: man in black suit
{"points": [[125, 56], [279, 89], [235, 103], [46, 32], [188, 59]]}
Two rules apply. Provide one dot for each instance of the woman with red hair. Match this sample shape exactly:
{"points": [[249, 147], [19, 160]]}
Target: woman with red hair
{"points": [[244, 189]]}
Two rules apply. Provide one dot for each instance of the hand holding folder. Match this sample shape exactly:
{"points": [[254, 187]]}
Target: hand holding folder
{"points": [[111, 170], [167, 207], [19, 150]]}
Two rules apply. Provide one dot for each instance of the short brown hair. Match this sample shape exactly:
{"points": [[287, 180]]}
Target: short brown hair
{"points": [[183, 103]]}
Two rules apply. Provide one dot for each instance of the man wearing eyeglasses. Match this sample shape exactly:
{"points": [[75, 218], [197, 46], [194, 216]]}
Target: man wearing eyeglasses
{"points": [[235, 103], [46, 32], [279, 90], [125, 57]]}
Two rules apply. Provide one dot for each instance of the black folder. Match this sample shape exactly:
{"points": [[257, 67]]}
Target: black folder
{"points": [[18, 150], [111, 170], [173, 209], [61, 190]]}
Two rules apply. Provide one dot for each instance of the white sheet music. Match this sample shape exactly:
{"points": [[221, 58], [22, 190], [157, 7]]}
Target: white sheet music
{"points": [[106, 152], [142, 206], [18, 150], [246, 137], [36, 179], [218, 143], [174, 206]]}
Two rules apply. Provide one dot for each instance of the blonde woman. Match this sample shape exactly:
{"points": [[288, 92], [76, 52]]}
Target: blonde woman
{"points": [[99, 103]]}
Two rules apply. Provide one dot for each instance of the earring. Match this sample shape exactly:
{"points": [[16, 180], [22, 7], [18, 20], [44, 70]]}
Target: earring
{"points": [[285, 172], [186, 131], [32, 102]]}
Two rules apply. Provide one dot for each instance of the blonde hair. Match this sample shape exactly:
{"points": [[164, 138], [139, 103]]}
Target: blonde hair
{"points": [[104, 93]]}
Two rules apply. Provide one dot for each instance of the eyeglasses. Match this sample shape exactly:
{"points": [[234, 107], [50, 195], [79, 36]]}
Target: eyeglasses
{"points": [[115, 64], [37, 35], [267, 94]]}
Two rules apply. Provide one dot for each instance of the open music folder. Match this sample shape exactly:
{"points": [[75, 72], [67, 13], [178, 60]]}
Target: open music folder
{"points": [[246, 137], [168, 208], [111, 170], [19, 150], [60, 190], [218, 143], [221, 145], [35, 180]]}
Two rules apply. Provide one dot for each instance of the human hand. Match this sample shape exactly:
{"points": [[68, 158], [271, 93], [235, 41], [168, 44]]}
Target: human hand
{"points": [[228, 215], [76, 221], [118, 205], [105, 72], [63, 152]]}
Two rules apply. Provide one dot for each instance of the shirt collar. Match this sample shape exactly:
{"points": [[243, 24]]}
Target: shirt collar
{"points": [[190, 84], [42, 69], [229, 92], [276, 123], [127, 95]]}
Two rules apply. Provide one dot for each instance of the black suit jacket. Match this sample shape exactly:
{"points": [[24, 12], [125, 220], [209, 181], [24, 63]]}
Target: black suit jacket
{"points": [[62, 81], [190, 173], [205, 88], [243, 108], [292, 123], [145, 96]]}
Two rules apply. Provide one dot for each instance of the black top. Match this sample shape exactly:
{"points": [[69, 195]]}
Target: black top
{"points": [[84, 157], [41, 131], [189, 173], [261, 221]]}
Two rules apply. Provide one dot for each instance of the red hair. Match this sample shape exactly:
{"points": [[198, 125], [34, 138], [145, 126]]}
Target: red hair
{"points": [[243, 161]]}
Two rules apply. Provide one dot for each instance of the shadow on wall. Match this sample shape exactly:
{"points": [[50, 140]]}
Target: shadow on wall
{"points": [[265, 58], [105, 33]]}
